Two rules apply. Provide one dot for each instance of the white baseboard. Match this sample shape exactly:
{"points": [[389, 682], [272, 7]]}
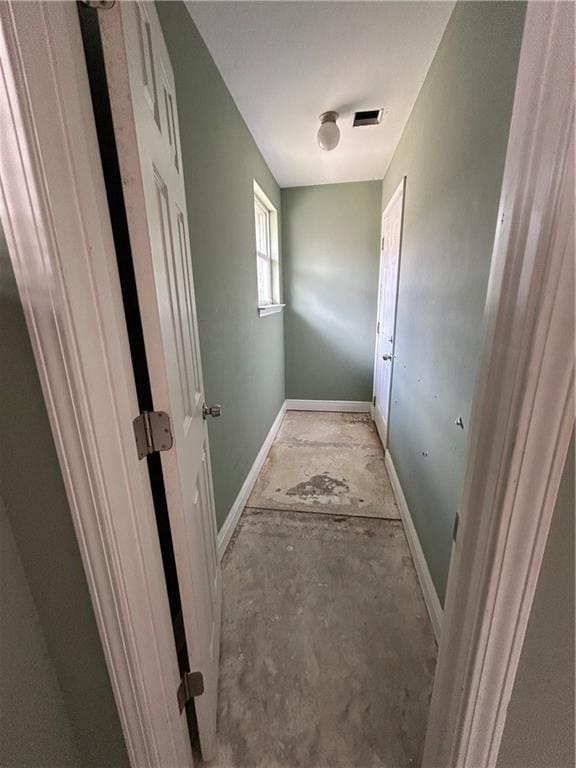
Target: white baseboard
{"points": [[345, 406], [225, 533], [426, 583]]}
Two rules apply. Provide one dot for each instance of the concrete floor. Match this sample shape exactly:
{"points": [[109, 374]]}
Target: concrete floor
{"points": [[327, 656], [329, 463]]}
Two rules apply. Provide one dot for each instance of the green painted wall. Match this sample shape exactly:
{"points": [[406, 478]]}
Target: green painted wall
{"points": [[35, 728], [56, 698], [330, 250], [242, 354], [452, 152], [539, 730]]}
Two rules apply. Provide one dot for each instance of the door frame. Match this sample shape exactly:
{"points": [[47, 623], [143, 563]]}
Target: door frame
{"points": [[54, 212], [399, 191]]}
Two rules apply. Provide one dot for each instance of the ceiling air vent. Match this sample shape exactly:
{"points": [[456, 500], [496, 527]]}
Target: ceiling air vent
{"points": [[367, 117]]}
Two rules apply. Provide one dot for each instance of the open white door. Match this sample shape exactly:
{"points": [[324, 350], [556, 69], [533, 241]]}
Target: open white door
{"points": [[390, 245], [143, 101]]}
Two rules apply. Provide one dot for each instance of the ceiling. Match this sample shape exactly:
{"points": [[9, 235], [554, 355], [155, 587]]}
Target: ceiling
{"points": [[286, 62]]}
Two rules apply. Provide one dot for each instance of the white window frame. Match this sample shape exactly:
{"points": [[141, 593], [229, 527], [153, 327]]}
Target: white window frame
{"points": [[263, 204]]}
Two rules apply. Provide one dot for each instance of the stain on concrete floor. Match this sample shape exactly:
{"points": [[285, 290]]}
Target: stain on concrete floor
{"points": [[327, 655], [329, 463]]}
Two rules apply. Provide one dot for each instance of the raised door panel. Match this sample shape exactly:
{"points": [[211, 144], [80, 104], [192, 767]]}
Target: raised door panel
{"points": [[145, 114]]}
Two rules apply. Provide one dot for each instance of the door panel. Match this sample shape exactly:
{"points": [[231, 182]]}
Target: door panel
{"points": [[390, 244], [145, 116]]}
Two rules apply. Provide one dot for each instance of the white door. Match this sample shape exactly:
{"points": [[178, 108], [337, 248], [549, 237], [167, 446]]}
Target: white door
{"points": [[390, 244], [143, 101]]}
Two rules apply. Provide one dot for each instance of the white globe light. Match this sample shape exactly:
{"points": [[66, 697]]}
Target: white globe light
{"points": [[328, 133]]}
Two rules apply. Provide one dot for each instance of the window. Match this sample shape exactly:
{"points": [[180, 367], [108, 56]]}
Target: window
{"points": [[268, 266]]}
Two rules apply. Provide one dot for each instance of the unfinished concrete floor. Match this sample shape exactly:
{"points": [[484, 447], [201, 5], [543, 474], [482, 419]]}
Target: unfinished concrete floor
{"points": [[327, 655], [329, 463]]}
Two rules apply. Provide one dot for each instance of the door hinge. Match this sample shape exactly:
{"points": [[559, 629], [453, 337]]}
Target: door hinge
{"points": [[153, 432], [377, 327], [374, 400], [455, 529], [191, 685]]}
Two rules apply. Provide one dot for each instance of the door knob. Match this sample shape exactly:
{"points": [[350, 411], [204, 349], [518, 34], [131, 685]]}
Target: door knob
{"points": [[211, 410], [388, 357]]}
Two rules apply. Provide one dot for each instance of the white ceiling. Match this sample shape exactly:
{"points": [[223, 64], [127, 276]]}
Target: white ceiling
{"points": [[286, 62]]}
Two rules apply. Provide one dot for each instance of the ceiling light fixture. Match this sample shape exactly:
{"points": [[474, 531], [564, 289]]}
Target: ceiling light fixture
{"points": [[328, 133]]}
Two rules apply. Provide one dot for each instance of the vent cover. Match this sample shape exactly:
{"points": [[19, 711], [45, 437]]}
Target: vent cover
{"points": [[367, 117]]}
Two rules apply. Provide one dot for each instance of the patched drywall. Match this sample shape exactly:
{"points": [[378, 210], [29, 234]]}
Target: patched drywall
{"points": [[331, 262], [47, 618], [242, 354], [452, 152], [539, 731]]}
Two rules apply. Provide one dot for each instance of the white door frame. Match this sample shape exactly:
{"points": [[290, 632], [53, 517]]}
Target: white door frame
{"points": [[54, 213], [400, 191], [53, 210], [523, 408]]}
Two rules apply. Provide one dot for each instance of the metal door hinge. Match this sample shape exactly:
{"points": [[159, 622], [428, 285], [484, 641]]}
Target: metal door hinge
{"points": [[191, 685], [377, 327], [455, 529], [374, 400], [153, 432]]}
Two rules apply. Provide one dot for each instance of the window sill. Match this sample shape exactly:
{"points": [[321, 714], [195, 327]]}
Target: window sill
{"points": [[270, 309]]}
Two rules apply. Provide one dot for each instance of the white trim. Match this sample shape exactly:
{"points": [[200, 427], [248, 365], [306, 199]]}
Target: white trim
{"points": [[262, 198], [270, 309], [381, 425], [400, 190], [226, 532], [427, 585], [54, 213], [523, 409], [344, 406]]}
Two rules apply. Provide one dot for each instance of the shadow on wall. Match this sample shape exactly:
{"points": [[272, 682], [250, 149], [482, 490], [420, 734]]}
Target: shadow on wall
{"points": [[323, 329], [331, 258], [48, 581]]}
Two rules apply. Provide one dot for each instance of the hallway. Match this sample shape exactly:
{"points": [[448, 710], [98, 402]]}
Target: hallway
{"points": [[328, 655], [231, 235]]}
